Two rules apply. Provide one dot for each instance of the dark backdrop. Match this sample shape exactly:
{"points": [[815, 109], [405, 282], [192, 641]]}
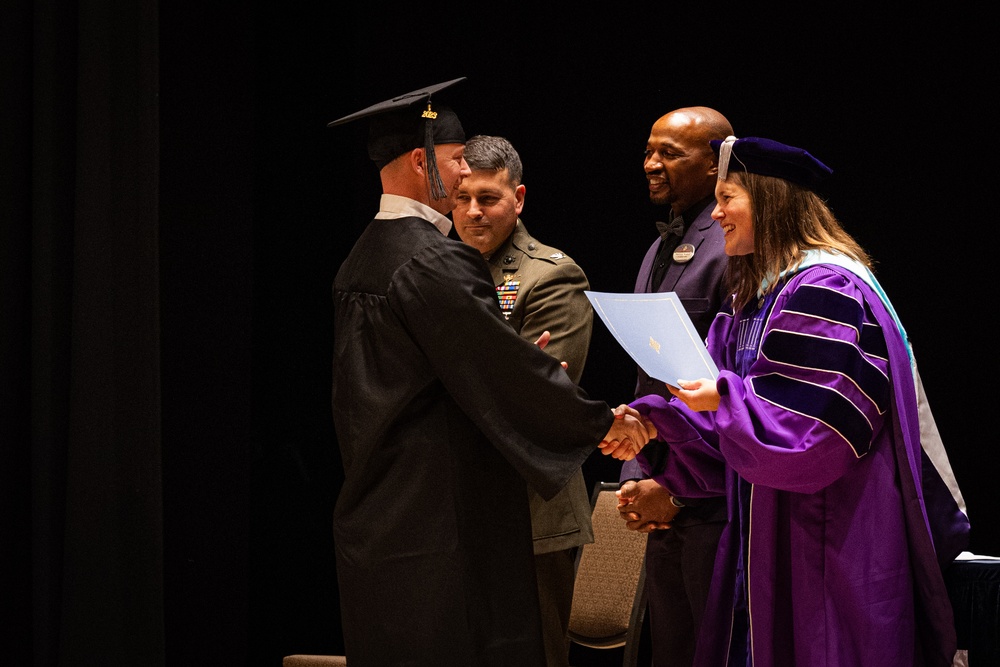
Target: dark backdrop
{"points": [[175, 210]]}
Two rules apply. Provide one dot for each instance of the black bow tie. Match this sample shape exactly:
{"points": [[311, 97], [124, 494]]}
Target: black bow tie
{"points": [[673, 228]]}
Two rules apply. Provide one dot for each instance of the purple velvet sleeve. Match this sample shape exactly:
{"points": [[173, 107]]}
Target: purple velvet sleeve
{"points": [[692, 467]]}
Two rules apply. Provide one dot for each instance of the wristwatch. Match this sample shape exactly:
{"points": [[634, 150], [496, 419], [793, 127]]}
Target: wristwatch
{"points": [[675, 502]]}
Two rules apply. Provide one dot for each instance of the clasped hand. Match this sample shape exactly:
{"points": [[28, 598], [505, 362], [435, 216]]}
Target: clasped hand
{"points": [[628, 435], [645, 505]]}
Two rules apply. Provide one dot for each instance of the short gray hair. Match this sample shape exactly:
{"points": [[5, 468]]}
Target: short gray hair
{"points": [[487, 153]]}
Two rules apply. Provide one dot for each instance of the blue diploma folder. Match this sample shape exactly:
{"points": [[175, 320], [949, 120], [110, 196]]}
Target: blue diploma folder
{"points": [[657, 333]]}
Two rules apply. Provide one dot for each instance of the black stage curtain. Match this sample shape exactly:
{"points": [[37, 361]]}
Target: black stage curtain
{"points": [[125, 392]]}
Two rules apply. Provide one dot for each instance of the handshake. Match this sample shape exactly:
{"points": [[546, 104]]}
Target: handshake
{"points": [[628, 435]]}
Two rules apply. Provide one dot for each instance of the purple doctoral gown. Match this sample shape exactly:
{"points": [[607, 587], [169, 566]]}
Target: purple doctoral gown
{"points": [[839, 523]]}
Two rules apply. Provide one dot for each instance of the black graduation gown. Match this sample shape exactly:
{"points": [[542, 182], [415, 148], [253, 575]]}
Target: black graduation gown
{"points": [[442, 412]]}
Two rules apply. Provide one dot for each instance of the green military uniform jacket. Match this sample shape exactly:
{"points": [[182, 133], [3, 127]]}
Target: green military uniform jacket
{"points": [[541, 289]]}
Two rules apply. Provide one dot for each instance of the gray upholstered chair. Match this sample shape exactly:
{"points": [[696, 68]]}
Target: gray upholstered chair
{"points": [[609, 601]]}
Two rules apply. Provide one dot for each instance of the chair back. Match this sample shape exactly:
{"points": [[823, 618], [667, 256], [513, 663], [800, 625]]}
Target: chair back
{"points": [[609, 600]]}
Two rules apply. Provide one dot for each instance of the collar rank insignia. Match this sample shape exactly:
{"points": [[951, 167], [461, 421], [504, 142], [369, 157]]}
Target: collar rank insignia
{"points": [[507, 295]]}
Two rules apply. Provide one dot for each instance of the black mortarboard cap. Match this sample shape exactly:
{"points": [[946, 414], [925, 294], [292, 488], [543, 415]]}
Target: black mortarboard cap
{"points": [[770, 158], [409, 121]]}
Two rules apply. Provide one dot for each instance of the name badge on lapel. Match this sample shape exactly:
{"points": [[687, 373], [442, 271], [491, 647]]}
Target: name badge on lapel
{"points": [[684, 253]]}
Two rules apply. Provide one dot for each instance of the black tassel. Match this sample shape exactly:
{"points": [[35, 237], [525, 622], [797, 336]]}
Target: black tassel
{"points": [[437, 185]]}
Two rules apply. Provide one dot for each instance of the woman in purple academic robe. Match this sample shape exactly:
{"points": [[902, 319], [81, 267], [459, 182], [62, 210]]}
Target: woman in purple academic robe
{"points": [[840, 522]]}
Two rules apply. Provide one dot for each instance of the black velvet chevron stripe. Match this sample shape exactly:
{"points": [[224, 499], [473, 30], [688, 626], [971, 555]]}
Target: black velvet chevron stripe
{"points": [[827, 304], [873, 342], [827, 354], [820, 403], [836, 307]]}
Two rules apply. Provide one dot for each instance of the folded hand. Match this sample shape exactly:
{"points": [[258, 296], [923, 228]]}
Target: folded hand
{"points": [[645, 505]]}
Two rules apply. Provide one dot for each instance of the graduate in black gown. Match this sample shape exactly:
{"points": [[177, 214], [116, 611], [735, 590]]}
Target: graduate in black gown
{"points": [[443, 413]]}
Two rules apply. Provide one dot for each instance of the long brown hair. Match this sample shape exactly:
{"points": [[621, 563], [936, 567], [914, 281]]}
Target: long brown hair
{"points": [[788, 219]]}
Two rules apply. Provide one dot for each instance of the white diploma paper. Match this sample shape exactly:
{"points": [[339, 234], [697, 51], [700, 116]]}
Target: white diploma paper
{"points": [[657, 333]]}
